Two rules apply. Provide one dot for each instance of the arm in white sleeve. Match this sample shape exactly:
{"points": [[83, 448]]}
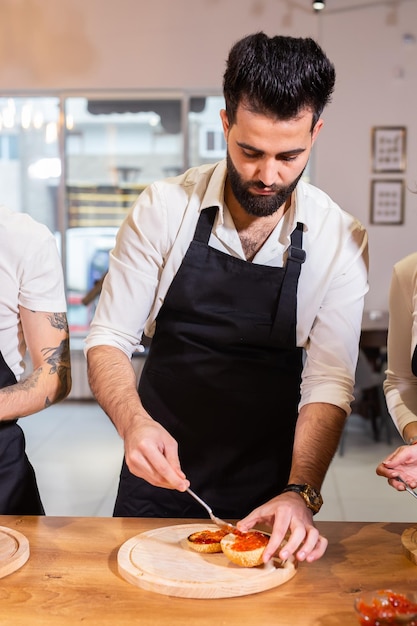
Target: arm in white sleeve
{"points": [[333, 342], [400, 385], [135, 267]]}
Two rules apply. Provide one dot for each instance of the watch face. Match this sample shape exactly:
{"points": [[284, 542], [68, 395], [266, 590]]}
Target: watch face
{"points": [[311, 496], [313, 499]]}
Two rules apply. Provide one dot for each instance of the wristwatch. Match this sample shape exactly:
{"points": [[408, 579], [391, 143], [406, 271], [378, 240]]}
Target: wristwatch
{"points": [[310, 495]]}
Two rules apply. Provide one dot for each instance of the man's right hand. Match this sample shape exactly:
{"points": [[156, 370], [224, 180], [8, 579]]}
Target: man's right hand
{"points": [[152, 454]]}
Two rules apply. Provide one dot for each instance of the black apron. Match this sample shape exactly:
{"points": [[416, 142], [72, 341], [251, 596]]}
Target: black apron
{"points": [[223, 377], [19, 493], [414, 362]]}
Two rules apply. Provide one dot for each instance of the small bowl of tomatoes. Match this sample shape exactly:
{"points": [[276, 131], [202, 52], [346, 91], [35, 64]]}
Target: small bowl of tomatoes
{"points": [[385, 606]]}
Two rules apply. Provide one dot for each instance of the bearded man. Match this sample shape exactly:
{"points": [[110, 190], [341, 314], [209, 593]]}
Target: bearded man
{"points": [[251, 283]]}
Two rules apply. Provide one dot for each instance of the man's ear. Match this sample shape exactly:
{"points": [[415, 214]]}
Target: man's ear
{"points": [[317, 128], [225, 123]]}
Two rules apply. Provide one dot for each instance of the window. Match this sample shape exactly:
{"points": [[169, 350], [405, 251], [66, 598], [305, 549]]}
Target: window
{"points": [[206, 140], [113, 149], [30, 165]]}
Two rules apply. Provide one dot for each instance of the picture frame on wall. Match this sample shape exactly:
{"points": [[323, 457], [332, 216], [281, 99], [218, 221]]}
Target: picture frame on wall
{"points": [[387, 202], [389, 148]]}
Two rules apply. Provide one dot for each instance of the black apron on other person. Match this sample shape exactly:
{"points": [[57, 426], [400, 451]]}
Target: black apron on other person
{"points": [[19, 493], [223, 377], [414, 362]]}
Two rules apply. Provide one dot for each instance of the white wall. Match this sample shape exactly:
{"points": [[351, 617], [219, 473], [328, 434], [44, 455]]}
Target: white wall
{"points": [[67, 45], [376, 86]]}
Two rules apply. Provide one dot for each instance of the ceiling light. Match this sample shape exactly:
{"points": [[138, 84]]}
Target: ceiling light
{"points": [[318, 5]]}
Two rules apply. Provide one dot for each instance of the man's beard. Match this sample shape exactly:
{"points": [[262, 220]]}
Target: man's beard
{"points": [[257, 205]]}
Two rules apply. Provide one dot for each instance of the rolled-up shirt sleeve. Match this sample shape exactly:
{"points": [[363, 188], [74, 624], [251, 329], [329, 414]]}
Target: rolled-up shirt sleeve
{"points": [[400, 385], [135, 267], [149, 249], [332, 343]]}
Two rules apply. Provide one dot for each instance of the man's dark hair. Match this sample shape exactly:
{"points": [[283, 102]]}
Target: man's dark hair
{"points": [[277, 76]]}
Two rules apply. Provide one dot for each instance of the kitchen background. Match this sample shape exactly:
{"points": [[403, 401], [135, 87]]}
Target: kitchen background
{"points": [[98, 99]]}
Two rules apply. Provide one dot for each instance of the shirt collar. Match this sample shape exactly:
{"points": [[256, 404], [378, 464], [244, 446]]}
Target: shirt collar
{"points": [[214, 194]]}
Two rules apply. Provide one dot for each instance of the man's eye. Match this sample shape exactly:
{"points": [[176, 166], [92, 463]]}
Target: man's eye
{"points": [[288, 159], [251, 155]]}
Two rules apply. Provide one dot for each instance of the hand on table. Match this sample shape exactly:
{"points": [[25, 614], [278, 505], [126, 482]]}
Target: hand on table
{"points": [[287, 513]]}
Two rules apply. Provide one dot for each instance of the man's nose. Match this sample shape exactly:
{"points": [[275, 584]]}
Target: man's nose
{"points": [[268, 172]]}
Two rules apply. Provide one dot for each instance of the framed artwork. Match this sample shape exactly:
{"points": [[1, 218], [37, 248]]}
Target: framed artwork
{"points": [[388, 148], [387, 202]]}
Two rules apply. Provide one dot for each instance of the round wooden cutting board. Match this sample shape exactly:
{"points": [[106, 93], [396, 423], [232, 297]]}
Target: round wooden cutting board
{"points": [[14, 550], [159, 560]]}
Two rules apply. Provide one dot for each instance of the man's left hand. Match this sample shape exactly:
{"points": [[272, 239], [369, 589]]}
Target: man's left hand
{"points": [[290, 520]]}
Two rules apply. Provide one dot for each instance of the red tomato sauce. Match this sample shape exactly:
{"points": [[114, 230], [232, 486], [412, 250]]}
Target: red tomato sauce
{"points": [[386, 610], [250, 541], [208, 536]]}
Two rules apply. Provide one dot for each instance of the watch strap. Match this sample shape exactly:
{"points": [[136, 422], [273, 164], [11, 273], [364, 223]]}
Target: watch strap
{"points": [[311, 496]]}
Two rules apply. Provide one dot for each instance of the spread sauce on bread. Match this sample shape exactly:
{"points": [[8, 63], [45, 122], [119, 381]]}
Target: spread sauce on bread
{"points": [[208, 536], [249, 541]]}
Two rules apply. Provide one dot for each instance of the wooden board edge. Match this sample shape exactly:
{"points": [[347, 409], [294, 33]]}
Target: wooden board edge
{"points": [[409, 544], [21, 555], [199, 591]]}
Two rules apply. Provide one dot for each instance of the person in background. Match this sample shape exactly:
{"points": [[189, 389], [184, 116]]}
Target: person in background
{"points": [[234, 269], [32, 317], [400, 385]]}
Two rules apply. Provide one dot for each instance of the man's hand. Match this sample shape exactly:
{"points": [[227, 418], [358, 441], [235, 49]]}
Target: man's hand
{"points": [[152, 454], [402, 462], [290, 519]]}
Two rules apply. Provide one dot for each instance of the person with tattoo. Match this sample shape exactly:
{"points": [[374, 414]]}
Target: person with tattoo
{"points": [[32, 319]]}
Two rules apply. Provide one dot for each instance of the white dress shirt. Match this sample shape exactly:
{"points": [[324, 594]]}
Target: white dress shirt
{"points": [[400, 385], [154, 238]]}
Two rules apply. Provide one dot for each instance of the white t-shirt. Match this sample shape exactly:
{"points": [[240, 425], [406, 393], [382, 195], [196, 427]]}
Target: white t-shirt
{"points": [[30, 275], [154, 238]]}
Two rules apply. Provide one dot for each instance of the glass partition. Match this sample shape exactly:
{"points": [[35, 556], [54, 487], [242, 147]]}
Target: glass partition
{"points": [[113, 149], [206, 143], [30, 164]]}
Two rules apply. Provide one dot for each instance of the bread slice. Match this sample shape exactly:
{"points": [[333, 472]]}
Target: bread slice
{"points": [[245, 549], [207, 541]]}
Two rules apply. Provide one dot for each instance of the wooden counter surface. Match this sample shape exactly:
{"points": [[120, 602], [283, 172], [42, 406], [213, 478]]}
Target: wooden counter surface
{"points": [[72, 578]]}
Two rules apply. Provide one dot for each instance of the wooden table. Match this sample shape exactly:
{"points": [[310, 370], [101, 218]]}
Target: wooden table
{"points": [[72, 578]]}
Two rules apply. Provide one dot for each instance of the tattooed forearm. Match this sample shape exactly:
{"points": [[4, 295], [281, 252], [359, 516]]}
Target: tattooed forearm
{"points": [[64, 375], [49, 382], [60, 363], [59, 320], [57, 356], [27, 384]]}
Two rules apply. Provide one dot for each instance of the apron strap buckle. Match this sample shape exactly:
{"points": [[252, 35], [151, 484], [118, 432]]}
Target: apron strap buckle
{"points": [[296, 254]]}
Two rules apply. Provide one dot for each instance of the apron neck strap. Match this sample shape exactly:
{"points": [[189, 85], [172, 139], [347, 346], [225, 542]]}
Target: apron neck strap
{"points": [[205, 224], [285, 323]]}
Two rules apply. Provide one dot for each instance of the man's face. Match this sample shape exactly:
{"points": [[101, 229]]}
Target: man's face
{"points": [[266, 158], [258, 204]]}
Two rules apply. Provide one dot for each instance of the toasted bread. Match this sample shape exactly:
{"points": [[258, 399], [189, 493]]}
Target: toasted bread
{"points": [[245, 549], [207, 541]]}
